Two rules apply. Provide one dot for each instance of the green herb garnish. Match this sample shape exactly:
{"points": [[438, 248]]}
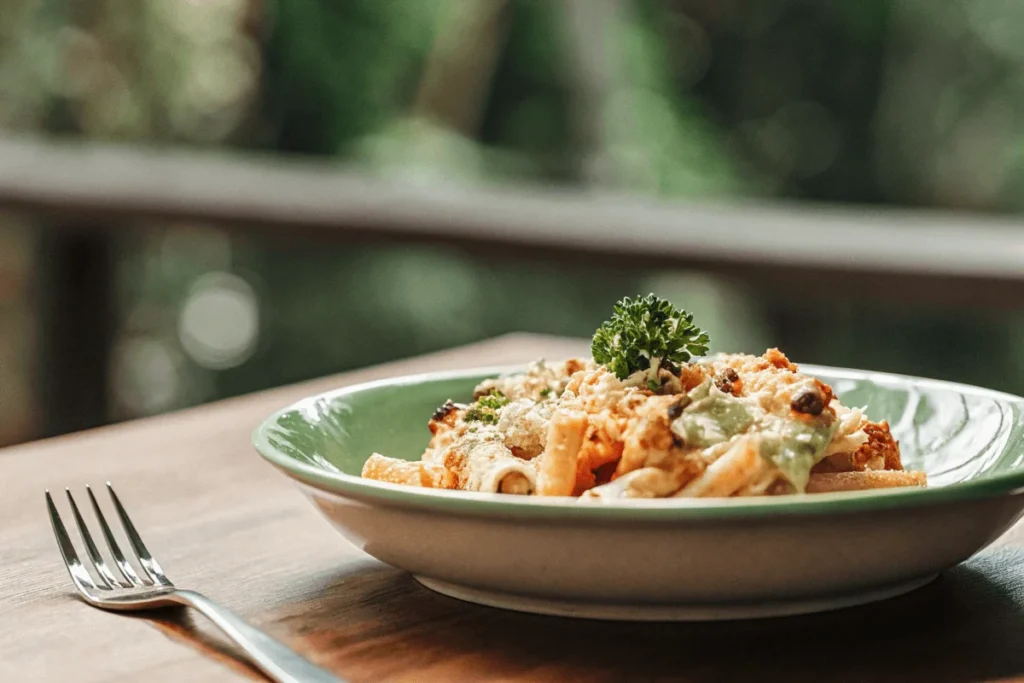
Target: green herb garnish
{"points": [[486, 407], [645, 334], [546, 392]]}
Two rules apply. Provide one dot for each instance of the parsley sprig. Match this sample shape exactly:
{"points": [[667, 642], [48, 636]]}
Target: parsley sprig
{"points": [[644, 334]]}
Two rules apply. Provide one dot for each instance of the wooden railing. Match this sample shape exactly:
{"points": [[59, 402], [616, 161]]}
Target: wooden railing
{"points": [[85, 192]]}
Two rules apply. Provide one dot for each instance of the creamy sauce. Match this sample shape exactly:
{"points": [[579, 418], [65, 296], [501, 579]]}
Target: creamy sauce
{"points": [[793, 444], [712, 417], [488, 463]]}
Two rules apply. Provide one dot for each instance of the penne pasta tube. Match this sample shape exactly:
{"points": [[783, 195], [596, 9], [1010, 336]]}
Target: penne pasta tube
{"points": [[397, 471], [490, 467], [647, 482], [729, 473], [557, 467], [511, 475]]}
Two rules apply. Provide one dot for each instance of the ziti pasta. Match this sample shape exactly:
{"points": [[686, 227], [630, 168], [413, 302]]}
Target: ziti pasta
{"points": [[646, 418]]}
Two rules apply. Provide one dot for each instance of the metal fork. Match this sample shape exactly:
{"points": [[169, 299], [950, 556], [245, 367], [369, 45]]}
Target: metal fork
{"points": [[150, 588]]}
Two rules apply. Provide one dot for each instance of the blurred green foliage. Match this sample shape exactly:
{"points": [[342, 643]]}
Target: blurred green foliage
{"points": [[910, 103]]}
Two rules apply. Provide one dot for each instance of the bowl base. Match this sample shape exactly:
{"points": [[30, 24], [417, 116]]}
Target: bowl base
{"points": [[670, 612]]}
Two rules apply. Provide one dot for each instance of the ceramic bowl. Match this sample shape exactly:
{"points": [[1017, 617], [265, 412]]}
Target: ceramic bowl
{"points": [[665, 559]]}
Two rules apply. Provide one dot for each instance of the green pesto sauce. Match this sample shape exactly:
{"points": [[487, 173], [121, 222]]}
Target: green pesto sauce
{"points": [[795, 446], [712, 417], [792, 445]]}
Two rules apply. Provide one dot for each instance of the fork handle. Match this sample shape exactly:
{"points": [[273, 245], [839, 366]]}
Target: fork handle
{"points": [[274, 658]]}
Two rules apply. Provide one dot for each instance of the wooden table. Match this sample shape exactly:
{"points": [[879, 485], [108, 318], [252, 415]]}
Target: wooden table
{"points": [[224, 522]]}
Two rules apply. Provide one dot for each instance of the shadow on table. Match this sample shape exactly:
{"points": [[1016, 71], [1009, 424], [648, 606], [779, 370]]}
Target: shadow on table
{"points": [[181, 626], [968, 625]]}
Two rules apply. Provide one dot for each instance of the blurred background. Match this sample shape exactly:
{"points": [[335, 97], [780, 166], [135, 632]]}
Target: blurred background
{"points": [[913, 107]]}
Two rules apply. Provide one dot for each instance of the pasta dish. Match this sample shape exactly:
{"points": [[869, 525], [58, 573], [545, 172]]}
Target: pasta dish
{"points": [[646, 417]]}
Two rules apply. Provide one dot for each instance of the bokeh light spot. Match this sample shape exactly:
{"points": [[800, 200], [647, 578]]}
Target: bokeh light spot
{"points": [[219, 323]]}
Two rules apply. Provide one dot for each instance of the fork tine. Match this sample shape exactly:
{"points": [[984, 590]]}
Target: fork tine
{"points": [[125, 567], [79, 574], [107, 579], [150, 565]]}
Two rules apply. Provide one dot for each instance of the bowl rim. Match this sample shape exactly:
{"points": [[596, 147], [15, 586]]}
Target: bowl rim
{"points": [[371, 492]]}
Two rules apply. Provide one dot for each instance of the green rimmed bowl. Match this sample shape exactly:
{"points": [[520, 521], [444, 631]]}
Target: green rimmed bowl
{"points": [[665, 559]]}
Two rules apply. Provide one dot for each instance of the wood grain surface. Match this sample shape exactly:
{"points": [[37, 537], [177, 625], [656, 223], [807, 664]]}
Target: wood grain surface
{"points": [[223, 522]]}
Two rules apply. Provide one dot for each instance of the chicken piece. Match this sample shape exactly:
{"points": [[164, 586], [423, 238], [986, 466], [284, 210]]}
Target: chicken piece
{"points": [[648, 438], [880, 452]]}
